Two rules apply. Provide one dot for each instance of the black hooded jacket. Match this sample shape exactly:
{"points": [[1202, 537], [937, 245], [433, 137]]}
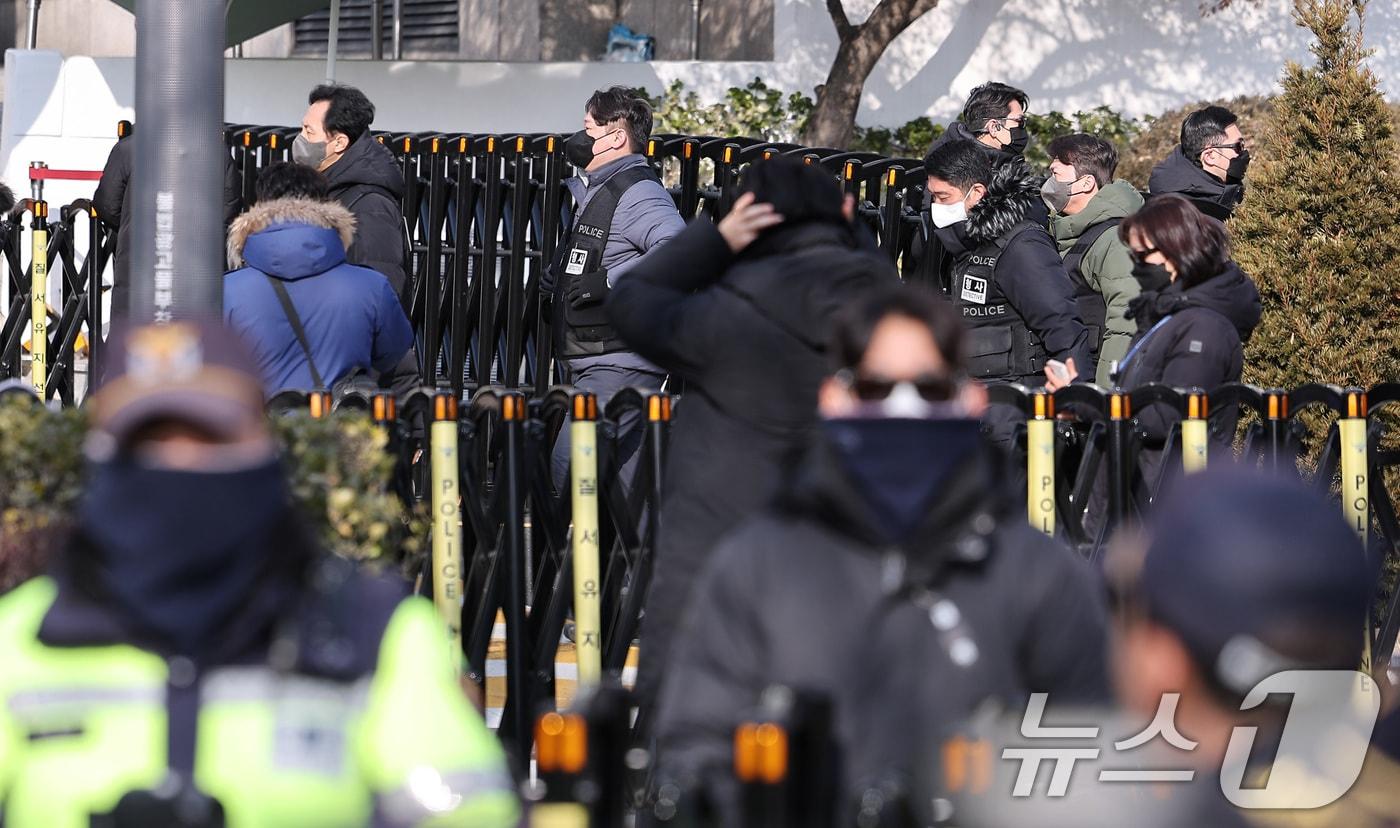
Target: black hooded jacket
{"points": [[1177, 174], [748, 336], [112, 201], [810, 596], [1029, 272], [368, 182], [1200, 345]]}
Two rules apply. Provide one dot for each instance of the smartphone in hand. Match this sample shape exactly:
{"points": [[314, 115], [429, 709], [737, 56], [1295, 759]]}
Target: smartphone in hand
{"points": [[1059, 370]]}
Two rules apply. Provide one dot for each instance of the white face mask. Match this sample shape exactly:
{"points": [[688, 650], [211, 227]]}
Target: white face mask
{"points": [[945, 215]]}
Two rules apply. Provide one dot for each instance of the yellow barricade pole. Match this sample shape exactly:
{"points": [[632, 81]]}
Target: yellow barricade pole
{"points": [[39, 294], [1356, 504], [1355, 465], [1040, 463], [447, 521], [588, 613], [1195, 439]]}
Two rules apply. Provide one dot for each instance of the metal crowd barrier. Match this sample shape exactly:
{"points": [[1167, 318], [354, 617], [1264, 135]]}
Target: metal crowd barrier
{"points": [[504, 537], [496, 206], [32, 258], [515, 540]]}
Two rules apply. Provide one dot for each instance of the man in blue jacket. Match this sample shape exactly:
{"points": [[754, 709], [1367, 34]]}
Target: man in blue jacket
{"points": [[311, 319]]}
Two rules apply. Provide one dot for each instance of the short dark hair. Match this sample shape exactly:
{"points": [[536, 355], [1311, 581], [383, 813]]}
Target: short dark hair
{"points": [[1196, 244], [1203, 128], [288, 180], [991, 101], [961, 163], [1088, 154], [622, 104], [854, 326], [798, 192], [350, 112]]}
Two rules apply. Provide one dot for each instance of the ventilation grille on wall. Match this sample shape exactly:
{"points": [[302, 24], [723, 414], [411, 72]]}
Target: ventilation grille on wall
{"points": [[429, 26]]}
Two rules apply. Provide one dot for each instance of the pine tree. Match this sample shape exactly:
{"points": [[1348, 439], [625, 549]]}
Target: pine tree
{"points": [[1318, 229]]}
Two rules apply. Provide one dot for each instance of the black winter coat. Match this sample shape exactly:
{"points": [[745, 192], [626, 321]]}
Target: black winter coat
{"points": [[935, 261], [1200, 346], [810, 597], [1176, 174], [368, 182], [112, 201], [748, 337], [1029, 271]]}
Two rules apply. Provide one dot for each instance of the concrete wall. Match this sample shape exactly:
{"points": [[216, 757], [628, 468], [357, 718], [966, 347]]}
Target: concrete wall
{"points": [[494, 30]]}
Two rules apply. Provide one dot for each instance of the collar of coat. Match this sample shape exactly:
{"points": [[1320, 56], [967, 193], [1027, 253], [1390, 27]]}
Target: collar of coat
{"points": [[1011, 194], [265, 214], [958, 530]]}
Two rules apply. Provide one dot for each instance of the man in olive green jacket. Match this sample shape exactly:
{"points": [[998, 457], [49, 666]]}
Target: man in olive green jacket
{"points": [[1086, 205]]}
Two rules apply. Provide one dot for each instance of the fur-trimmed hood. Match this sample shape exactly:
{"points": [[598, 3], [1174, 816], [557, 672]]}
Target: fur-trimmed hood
{"points": [[291, 237], [1012, 196]]}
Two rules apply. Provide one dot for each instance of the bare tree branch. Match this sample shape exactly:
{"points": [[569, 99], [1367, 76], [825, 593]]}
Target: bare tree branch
{"points": [[844, 30]]}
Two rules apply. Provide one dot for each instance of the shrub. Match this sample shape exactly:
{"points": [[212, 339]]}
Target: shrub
{"points": [[40, 480], [338, 470], [1317, 227], [1114, 127], [755, 111]]}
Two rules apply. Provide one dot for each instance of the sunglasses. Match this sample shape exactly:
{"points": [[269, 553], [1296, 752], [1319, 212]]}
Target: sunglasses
{"points": [[1140, 256], [1238, 146], [931, 388]]}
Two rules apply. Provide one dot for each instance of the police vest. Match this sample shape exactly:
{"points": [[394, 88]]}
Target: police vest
{"points": [[585, 331], [89, 732], [1093, 310], [1000, 346]]}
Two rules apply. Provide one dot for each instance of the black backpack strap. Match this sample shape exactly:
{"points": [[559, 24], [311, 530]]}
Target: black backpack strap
{"points": [[1075, 257], [295, 318]]}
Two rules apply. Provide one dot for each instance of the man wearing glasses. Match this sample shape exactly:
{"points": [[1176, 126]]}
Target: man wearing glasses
{"points": [[893, 577], [1209, 164]]}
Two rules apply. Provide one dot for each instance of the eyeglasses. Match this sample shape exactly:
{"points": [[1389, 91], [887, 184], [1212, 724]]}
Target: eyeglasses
{"points": [[1140, 256], [930, 387]]}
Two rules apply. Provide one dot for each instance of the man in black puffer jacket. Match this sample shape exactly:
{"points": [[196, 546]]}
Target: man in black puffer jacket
{"points": [[1007, 279], [743, 321], [361, 173], [895, 577], [994, 118], [1209, 164]]}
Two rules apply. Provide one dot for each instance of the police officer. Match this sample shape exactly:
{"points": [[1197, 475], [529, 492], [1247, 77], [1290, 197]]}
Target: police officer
{"points": [[1006, 278], [190, 660], [994, 117], [623, 212], [892, 575]]}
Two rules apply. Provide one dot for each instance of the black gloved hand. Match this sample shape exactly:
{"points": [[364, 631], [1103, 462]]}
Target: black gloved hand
{"points": [[589, 289]]}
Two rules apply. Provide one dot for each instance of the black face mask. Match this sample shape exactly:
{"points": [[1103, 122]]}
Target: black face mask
{"points": [[578, 149], [1020, 139], [900, 466], [1151, 277], [181, 550], [1234, 174]]}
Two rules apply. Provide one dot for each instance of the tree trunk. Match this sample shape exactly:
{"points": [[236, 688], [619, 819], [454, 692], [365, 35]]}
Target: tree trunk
{"points": [[833, 119]]}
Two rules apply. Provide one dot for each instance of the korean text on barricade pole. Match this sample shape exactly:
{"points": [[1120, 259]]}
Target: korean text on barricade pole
{"points": [[583, 464]]}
